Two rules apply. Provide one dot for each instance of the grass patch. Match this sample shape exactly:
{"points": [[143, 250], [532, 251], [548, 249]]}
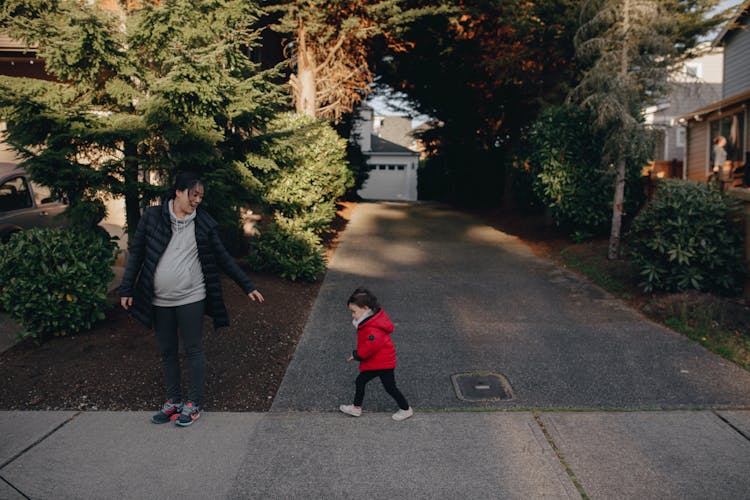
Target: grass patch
{"points": [[719, 324], [590, 259]]}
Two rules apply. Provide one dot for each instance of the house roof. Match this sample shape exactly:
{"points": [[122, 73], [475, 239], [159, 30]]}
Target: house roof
{"points": [[729, 102], [742, 12], [394, 129], [380, 145]]}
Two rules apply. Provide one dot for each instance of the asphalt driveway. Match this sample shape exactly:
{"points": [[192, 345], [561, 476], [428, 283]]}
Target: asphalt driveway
{"points": [[467, 298]]}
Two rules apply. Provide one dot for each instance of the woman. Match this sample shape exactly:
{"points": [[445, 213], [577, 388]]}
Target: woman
{"points": [[720, 158], [171, 279]]}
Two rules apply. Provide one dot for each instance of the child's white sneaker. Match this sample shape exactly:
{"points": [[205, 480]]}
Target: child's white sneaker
{"points": [[402, 414], [352, 410]]}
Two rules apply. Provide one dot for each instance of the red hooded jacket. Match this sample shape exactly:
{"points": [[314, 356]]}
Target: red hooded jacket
{"points": [[375, 349]]}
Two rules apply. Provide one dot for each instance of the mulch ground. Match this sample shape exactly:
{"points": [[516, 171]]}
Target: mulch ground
{"points": [[115, 366]]}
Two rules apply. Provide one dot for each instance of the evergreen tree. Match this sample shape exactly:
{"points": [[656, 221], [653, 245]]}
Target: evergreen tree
{"points": [[330, 43], [629, 47], [484, 73], [139, 94]]}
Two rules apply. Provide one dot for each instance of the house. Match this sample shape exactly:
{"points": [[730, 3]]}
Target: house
{"points": [[16, 59], [696, 83], [393, 166], [728, 116]]}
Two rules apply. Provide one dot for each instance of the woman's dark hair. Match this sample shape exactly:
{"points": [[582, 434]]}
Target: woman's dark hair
{"points": [[362, 297], [183, 181]]}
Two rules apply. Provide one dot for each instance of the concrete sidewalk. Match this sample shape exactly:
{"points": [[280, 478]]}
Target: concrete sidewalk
{"points": [[478, 455], [604, 403]]}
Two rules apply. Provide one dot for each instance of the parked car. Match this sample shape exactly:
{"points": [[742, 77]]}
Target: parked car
{"points": [[24, 204]]}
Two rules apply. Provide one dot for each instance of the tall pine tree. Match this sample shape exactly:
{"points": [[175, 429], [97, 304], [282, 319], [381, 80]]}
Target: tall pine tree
{"points": [[630, 47], [138, 93]]}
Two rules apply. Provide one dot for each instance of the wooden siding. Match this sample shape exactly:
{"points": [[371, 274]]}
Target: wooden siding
{"points": [[7, 44], [737, 60], [697, 162]]}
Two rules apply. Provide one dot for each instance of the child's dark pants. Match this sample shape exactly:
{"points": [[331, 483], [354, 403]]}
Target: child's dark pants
{"points": [[388, 378]]}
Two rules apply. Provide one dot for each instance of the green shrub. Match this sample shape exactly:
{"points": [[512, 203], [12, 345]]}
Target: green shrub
{"points": [[570, 175], [523, 195], [689, 237], [287, 248], [309, 171], [299, 172], [54, 281]]}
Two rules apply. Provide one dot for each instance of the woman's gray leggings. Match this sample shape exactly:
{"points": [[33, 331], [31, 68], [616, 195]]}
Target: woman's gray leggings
{"points": [[188, 320]]}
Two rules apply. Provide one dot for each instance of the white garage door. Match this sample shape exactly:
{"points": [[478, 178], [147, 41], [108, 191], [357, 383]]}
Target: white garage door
{"points": [[387, 182]]}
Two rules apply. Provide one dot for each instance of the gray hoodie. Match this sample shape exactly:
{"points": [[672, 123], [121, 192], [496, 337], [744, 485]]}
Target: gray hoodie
{"points": [[178, 279]]}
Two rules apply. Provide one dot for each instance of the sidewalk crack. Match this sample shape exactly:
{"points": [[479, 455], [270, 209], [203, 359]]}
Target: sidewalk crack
{"points": [[14, 488], [734, 427], [35, 443], [561, 457]]}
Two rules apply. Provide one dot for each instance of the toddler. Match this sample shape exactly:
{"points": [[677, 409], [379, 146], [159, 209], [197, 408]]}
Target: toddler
{"points": [[375, 352]]}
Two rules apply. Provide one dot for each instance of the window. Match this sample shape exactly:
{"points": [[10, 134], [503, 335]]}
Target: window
{"points": [[14, 195], [732, 128], [681, 135], [694, 70], [42, 194], [727, 148], [389, 167]]}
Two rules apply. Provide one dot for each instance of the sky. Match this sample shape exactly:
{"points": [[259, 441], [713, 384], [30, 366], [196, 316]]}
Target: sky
{"points": [[729, 3], [381, 107]]}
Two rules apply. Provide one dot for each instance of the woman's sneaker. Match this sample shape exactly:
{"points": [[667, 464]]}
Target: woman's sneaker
{"points": [[169, 412], [354, 411], [190, 413], [402, 414]]}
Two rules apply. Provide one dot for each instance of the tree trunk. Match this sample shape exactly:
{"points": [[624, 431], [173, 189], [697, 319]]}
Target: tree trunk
{"points": [[305, 91], [130, 188], [614, 235]]}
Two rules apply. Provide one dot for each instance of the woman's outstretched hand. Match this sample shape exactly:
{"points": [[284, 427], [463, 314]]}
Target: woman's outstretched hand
{"points": [[255, 295]]}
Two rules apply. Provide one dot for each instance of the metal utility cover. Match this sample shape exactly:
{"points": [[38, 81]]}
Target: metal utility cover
{"points": [[481, 386]]}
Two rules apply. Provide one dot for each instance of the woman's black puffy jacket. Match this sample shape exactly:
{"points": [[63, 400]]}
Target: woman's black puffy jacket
{"points": [[147, 246]]}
